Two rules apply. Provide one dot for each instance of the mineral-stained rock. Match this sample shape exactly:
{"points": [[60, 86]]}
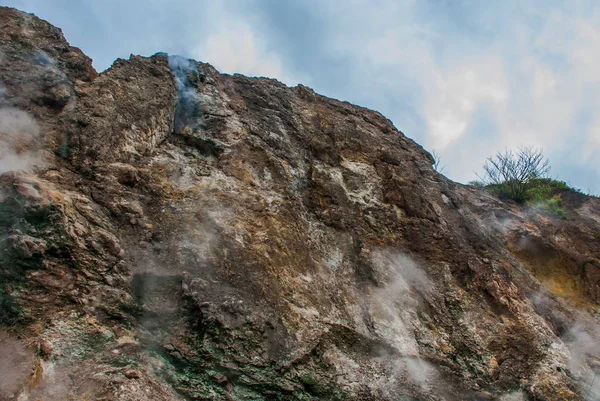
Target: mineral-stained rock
{"points": [[178, 233]]}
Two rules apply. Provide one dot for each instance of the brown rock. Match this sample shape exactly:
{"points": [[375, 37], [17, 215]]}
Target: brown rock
{"points": [[46, 349], [283, 245], [132, 374]]}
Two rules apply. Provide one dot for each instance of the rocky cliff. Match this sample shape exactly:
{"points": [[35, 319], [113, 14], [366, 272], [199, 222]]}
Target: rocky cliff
{"points": [[172, 233]]}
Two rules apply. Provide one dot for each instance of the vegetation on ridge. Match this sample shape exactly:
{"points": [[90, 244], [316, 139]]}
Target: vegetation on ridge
{"points": [[522, 176]]}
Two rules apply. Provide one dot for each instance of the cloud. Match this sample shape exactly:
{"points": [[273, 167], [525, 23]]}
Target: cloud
{"points": [[454, 97], [238, 49]]}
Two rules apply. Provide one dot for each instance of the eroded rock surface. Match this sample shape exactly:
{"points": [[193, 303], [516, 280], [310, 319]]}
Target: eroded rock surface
{"points": [[177, 233]]}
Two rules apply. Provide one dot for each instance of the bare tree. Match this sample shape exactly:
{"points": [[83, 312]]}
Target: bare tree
{"points": [[437, 162], [511, 172]]}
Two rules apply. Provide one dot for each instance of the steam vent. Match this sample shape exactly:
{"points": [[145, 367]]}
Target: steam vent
{"points": [[168, 232]]}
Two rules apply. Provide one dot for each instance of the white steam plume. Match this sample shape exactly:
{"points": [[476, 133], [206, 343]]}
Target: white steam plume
{"points": [[15, 366], [187, 96], [580, 341], [19, 135], [181, 67]]}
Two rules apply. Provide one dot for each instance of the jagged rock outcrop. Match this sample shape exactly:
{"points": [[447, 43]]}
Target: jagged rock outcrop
{"points": [[171, 233]]}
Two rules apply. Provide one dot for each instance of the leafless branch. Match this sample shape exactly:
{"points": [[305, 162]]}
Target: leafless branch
{"points": [[437, 162], [514, 170]]}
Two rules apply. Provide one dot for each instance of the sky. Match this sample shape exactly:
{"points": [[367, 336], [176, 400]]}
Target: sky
{"points": [[466, 78]]}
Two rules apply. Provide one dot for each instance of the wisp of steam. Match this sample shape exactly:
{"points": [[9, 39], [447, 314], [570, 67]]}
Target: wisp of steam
{"points": [[19, 134], [187, 103]]}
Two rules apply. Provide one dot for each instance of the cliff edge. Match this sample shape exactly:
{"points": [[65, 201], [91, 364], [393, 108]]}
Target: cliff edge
{"points": [[172, 233]]}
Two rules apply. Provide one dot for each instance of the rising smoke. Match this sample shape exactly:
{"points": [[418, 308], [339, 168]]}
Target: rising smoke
{"points": [[420, 372], [19, 140], [584, 359], [186, 75], [405, 274], [579, 339], [16, 364], [396, 305], [513, 396]]}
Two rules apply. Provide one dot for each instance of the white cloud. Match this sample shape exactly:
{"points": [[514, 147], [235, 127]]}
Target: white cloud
{"points": [[453, 97], [543, 83], [529, 84], [239, 50], [592, 143]]}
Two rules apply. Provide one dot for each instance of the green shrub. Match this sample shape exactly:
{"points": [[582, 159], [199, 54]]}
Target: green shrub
{"points": [[512, 189], [522, 176], [508, 175], [553, 205], [545, 194], [542, 189], [541, 193]]}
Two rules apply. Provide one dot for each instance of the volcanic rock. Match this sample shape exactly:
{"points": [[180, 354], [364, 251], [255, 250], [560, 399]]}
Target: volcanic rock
{"points": [[215, 237]]}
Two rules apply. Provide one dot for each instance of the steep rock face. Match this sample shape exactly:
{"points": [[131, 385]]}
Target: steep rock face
{"points": [[177, 233]]}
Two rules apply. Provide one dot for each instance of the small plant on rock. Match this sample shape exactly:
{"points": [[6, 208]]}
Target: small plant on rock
{"points": [[437, 162]]}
